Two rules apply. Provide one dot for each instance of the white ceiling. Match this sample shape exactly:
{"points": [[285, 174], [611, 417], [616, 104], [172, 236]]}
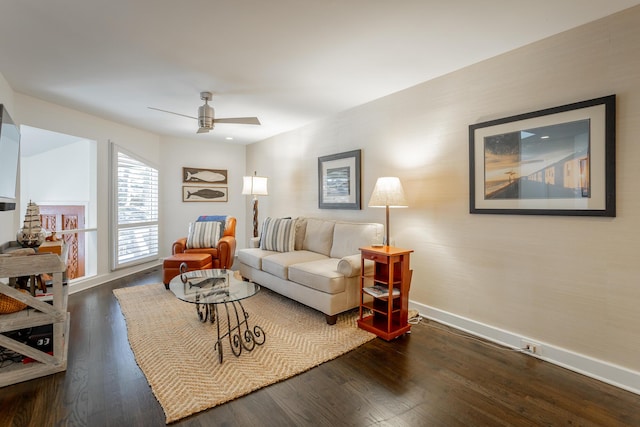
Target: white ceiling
{"points": [[34, 141], [288, 62]]}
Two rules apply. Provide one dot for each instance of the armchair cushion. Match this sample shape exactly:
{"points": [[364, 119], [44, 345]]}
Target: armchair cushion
{"points": [[219, 218], [222, 219], [203, 234]]}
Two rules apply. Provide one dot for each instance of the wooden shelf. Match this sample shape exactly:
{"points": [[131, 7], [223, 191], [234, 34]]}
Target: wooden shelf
{"points": [[385, 315], [39, 312], [380, 327]]}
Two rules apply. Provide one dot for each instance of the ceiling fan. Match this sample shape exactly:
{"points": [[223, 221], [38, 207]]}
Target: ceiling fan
{"points": [[206, 117]]}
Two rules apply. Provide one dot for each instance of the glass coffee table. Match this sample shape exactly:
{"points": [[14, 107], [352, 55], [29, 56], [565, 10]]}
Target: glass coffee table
{"points": [[213, 290]]}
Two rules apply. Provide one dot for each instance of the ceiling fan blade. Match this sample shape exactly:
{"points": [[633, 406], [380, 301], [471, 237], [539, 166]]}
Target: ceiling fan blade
{"points": [[171, 112], [239, 120]]}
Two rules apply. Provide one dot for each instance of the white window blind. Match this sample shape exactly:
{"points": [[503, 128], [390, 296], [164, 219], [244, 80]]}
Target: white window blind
{"points": [[136, 210]]}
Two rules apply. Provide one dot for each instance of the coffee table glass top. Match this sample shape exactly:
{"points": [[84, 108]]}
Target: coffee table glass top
{"points": [[215, 286]]}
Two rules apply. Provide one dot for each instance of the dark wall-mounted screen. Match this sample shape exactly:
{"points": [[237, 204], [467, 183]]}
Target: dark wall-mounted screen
{"points": [[9, 158]]}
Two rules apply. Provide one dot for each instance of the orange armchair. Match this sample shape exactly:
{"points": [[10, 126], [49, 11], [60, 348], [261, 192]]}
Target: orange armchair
{"points": [[223, 255]]}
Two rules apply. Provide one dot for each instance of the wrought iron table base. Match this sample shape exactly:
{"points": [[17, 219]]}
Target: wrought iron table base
{"points": [[240, 334]]}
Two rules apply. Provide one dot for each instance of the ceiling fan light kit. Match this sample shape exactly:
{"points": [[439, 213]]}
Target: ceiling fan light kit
{"points": [[206, 115]]}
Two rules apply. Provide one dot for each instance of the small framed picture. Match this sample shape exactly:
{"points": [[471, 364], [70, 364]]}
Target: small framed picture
{"points": [[204, 176], [192, 193]]}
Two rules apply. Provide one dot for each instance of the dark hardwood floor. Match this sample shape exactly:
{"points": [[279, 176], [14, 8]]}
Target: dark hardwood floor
{"points": [[434, 376]]}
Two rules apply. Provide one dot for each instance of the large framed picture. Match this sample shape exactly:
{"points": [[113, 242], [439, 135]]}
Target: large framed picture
{"points": [[558, 161], [339, 181]]}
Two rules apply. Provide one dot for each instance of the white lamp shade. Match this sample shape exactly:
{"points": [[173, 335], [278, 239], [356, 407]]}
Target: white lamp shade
{"points": [[388, 192], [254, 185]]}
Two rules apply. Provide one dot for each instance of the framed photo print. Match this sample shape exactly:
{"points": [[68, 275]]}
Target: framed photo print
{"points": [[204, 194], [204, 176], [339, 181], [558, 161]]}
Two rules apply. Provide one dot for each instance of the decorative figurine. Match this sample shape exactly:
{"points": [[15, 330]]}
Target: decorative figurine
{"points": [[31, 235]]}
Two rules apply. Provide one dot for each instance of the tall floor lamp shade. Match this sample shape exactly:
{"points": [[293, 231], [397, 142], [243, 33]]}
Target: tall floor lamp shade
{"points": [[388, 193], [254, 186]]}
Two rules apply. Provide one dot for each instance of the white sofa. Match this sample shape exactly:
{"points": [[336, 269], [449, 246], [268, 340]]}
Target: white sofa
{"points": [[323, 269]]}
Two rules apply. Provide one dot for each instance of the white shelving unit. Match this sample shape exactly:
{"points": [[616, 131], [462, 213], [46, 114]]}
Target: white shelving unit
{"points": [[38, 313]]}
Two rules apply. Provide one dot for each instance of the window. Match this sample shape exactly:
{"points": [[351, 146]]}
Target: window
{"points": [[135, 196]]}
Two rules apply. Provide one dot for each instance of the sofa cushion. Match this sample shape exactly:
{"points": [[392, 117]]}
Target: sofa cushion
{"points": [[203, 234], [278, 234], [253, 256], [319, 236], [349, 237], [301, 230], [279, 262], [321, 275]]}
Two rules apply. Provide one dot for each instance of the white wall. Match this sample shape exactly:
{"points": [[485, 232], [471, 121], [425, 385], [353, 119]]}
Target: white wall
{"points": [[177, 153], [570, 283], [8, 219], [167, 153], [67, 185], [40, 114]]}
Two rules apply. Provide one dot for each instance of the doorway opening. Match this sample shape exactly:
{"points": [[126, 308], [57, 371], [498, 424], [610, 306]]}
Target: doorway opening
{"points": [[59, 173]]}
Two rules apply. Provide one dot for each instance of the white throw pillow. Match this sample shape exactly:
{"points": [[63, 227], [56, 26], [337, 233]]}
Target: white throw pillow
{"points": [[203, 235], [319, 236]]}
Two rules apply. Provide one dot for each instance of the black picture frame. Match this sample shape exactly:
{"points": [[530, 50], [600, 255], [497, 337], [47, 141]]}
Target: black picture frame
{"points": [[339, 180], [556, 161]]}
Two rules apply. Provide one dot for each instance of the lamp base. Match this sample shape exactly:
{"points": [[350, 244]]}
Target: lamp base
{"points": [[387, 241], [255, 217]]}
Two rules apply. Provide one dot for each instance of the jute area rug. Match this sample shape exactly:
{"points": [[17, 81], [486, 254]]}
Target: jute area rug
{"points": [[175, 350]]}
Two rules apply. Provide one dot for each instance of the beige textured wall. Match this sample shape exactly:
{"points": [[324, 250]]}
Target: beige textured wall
{"points": [[568, 281]]}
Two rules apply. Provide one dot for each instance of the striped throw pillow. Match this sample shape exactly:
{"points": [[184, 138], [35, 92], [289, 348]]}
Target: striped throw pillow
{"points": [[203, 235], [278, 234], [222, 219]]}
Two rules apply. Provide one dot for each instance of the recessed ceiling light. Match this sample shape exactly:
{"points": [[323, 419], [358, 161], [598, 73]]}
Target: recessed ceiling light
{"points": [[544, 137], [229, 138]]}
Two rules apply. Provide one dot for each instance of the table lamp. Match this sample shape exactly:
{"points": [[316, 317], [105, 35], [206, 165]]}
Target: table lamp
{"points": [[388, 193], [254, 186]]}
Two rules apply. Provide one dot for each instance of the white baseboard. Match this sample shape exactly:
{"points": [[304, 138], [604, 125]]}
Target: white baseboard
{"points": [[90, 282], [598, 369]]}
